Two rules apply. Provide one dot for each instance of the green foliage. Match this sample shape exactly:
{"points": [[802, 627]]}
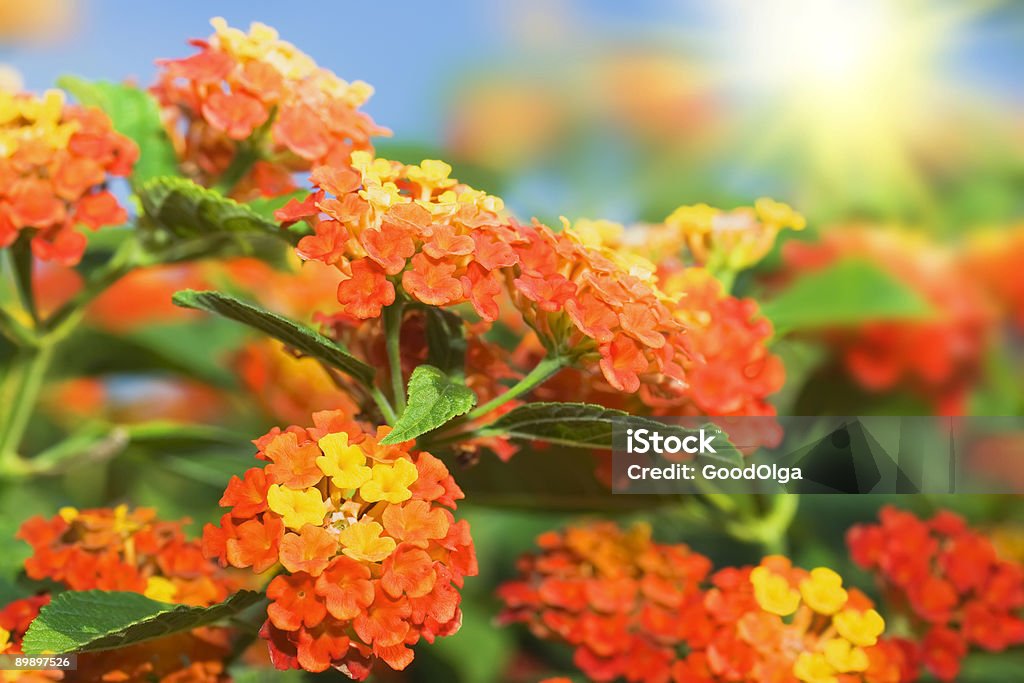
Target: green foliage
{"points": [[89, 621], [434, 399], [176, 209], [851, 292], [446, 341], [135, 114], [296, 335]]}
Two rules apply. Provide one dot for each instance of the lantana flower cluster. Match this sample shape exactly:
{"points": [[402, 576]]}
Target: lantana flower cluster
{"points": [[723, 240], [55, 162], [776, 622], [364, 532], [413, 231], [727, 364], [948, 578], [619, 599], [643, 611], [122, 549], [258, 89]]}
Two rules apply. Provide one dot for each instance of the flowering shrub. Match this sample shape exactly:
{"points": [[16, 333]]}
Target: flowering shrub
{"points": [[432, 334]]}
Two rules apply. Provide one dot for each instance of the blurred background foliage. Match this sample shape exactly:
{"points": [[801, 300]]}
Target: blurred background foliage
{"points": [[902, 115]]}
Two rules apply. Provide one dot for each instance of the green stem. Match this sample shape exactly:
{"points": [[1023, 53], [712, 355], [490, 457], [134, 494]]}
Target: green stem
{"points": [[11, 328], [770, 530], [385, 407], [393, 340], [244, 159], [28, 370], [21, 263], [544, 370]]}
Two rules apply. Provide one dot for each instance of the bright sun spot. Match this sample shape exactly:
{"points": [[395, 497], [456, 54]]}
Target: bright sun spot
{"points": [[814, 44], [847, 86]]}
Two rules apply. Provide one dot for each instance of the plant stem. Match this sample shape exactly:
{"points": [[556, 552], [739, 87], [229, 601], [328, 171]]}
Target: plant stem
{"points": [[29, 370], [245, 157], [11, 328], [21, 263], [392, 339], [385, 407], [548, 367]]}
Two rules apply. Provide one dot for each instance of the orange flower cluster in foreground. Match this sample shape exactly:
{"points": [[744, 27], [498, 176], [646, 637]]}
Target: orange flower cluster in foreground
{"points": [[642, 611], [55, 160], [256, 90], [127, 550], [957, 591], [372, 552], [940, 356]]}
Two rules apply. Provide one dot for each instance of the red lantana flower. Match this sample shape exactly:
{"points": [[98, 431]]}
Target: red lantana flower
{"points": [[958, 593]]}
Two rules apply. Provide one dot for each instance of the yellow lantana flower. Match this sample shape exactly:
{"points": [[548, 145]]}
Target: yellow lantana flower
{"points": [[390, 482], [345, 464], [362, 541], [160, 589], [823, 591], [297, 508], [844, 657], [812, 667], [773, 593], [860, 628]]}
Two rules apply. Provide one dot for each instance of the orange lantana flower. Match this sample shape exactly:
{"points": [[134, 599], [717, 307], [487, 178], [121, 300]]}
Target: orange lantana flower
{"points": [[371, 550]]}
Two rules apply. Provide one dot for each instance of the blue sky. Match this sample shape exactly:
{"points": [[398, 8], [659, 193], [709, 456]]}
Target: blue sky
{"points": [[411, 51]]}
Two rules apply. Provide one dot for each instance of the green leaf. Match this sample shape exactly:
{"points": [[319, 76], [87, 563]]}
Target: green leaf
{"points": [[89, 621], [178, 207], [135, 114], [578, 425], [296, 335], [434, 399], [851, 292], [446, 341]]}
